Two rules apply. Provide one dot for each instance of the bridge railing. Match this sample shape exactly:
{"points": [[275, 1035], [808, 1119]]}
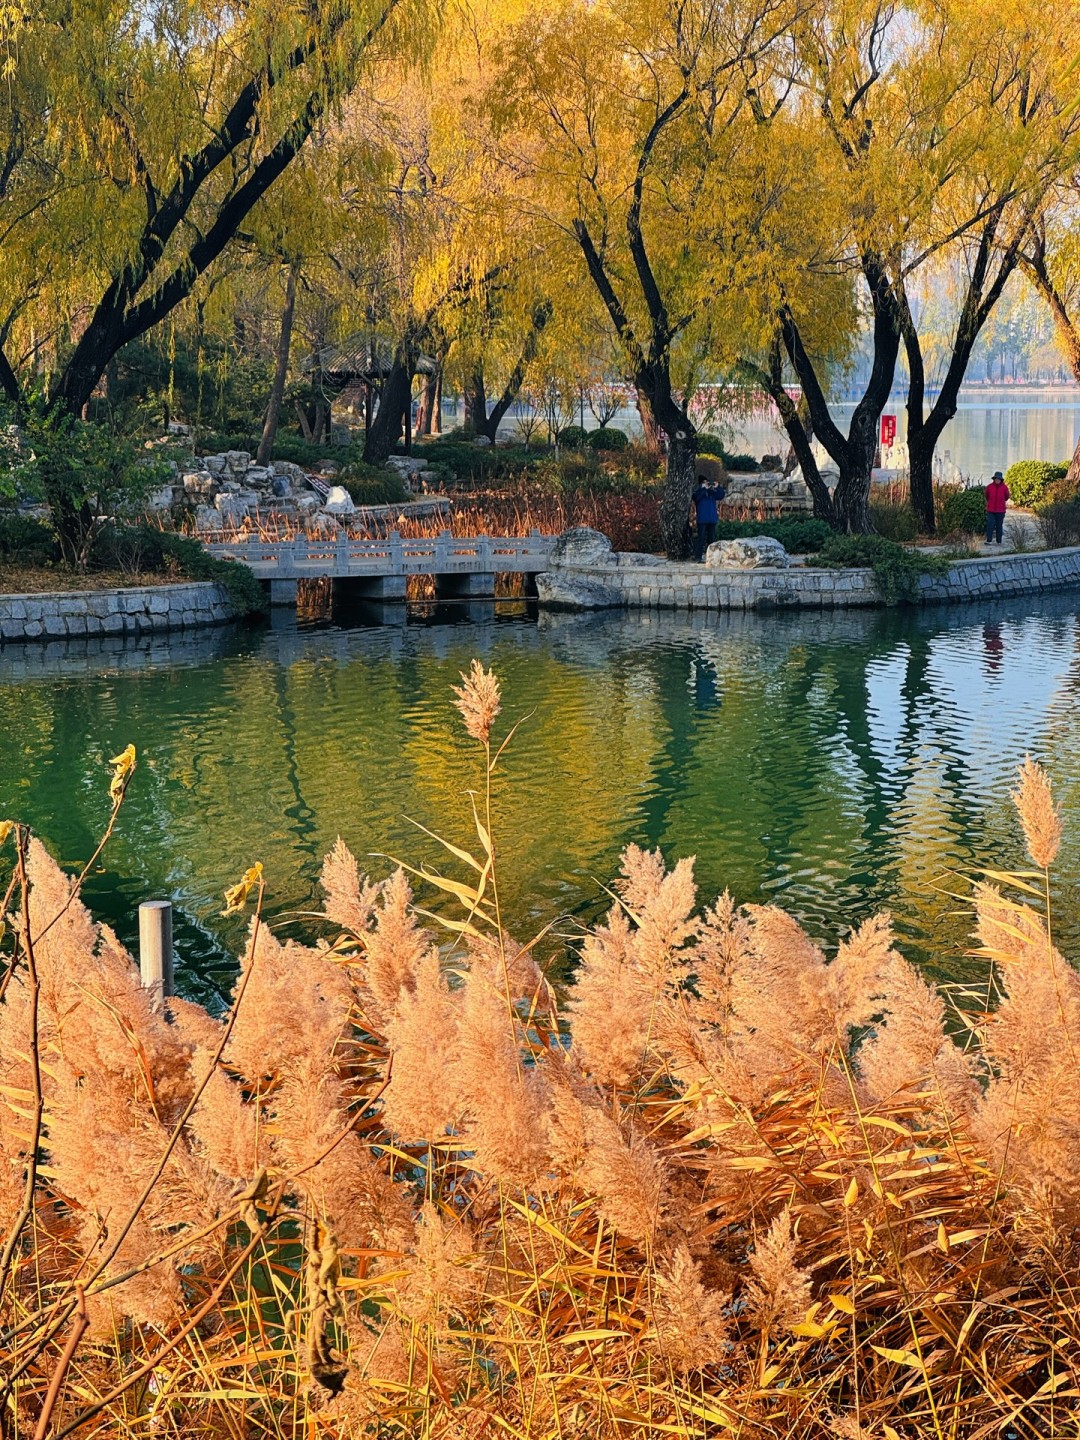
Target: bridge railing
{"points": [[342, 557]]}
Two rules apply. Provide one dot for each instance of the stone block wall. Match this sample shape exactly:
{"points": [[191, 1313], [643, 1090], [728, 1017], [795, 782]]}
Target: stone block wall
{"points": [[138, 611], [643, 582]]}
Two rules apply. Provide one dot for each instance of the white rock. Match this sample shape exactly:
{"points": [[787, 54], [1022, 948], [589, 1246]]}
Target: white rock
{"points": [[208, 518], [482, 441], [761, 553], [582, 546], [286, 470], [563, 590], [307, 504], [238, 461], [339, 502], [216, 464], [232, 507], [162, 499], [407, 464], [257, 475]]}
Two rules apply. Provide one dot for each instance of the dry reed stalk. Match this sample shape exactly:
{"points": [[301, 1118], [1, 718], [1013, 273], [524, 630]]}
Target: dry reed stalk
{"points": [[724, 1187]]}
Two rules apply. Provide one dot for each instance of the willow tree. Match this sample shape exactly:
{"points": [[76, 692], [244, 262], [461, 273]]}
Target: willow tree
{"points": [[941, 127], [1051, 261], [622, 118], [142, 145]]}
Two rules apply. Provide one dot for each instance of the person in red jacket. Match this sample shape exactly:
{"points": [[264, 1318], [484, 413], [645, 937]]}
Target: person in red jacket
{"points": [[997, 497]]}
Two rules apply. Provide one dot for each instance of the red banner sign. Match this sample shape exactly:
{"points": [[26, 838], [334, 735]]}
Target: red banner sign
{"points": [[888, 429]]}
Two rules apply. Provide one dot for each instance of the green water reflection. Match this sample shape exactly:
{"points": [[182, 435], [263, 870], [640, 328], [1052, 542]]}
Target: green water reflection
{"points": [[836, 764]]}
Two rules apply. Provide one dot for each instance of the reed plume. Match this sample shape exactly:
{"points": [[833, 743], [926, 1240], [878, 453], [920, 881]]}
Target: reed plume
{"points": [[717, 1183]]}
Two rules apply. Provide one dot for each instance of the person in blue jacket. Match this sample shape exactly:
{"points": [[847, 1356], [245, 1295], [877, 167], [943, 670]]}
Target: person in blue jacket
{"points": [[706, 499]]}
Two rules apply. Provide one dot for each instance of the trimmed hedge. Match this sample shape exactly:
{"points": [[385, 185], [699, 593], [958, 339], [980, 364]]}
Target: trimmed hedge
{"points": [[1030, 480], [798, 537], [574, 437], [369, 484], [607, 438]]}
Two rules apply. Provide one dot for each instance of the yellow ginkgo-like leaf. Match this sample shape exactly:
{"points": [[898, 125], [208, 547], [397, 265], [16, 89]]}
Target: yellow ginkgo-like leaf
{"points": [[122, 767], [236, 896]]}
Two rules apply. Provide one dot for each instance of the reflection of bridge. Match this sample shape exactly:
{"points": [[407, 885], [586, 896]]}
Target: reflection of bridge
{"points": [[378, 569]]}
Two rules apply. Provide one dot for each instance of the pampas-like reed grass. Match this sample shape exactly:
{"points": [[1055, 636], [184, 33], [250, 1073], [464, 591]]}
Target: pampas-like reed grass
{"points": [[719, 1187]]}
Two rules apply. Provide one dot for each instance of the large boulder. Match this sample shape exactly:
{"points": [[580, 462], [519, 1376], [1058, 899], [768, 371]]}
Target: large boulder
{"points": [[296, 475], [761, 553], [339, 502], [207, 518], [232, 507], [562, 590], [582, 546]]}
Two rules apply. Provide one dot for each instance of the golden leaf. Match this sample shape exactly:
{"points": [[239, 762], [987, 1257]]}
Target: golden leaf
{"points": [[852, 1194], [123, 765], [237, 895]]}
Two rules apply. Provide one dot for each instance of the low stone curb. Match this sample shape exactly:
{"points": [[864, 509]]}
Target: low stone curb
{"points": [[139, 611], [640, 582]]}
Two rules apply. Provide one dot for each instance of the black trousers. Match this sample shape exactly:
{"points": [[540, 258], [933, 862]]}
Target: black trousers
{"points": [[706, 534], [993, 527]]}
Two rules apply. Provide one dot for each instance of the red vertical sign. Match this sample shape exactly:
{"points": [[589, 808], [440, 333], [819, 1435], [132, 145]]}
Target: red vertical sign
{"points": [[888, 429]]}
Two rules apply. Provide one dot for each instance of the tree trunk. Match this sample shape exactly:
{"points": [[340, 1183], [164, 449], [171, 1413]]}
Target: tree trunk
{"points": [[650, 429], [426, 419], [436, 405], [490, 426], [385, 430], [475, 402], [798, 427], [281, 371], [678, 488], [854, 453]]}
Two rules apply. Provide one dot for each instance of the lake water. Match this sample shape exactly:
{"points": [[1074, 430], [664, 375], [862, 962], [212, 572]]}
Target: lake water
{"points": [[832, 763], [991, 429]]}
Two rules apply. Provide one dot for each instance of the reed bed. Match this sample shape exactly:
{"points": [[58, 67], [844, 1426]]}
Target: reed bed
{"points": [[718, 1186]]}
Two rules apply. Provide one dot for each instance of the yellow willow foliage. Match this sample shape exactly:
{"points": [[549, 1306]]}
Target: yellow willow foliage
{"points": [[724, 1185]]}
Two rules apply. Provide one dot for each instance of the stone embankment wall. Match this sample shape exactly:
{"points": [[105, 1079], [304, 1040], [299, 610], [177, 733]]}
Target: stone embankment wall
{"points": [[112, 612], [642, 582]]}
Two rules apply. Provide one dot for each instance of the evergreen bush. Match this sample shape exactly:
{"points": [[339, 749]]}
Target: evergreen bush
{"points": [[962, 512], [607, 438], [896, 568], [1029, 480]]}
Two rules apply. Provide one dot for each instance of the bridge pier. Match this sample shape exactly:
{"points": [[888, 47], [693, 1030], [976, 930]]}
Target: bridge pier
{"points": [[282, 592], [469, 586], [370, 587]]}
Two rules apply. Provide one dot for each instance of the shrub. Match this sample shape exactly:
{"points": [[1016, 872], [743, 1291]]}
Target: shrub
{"points": [[132, 548], [724, 1180], [573, 437], [962, 512], [798, 537], [1060, 522], [896, 569], [1029, 480], [607, 438], [893, 519], [370, 484], [480, 463], [25, 541], [708, 444]]}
